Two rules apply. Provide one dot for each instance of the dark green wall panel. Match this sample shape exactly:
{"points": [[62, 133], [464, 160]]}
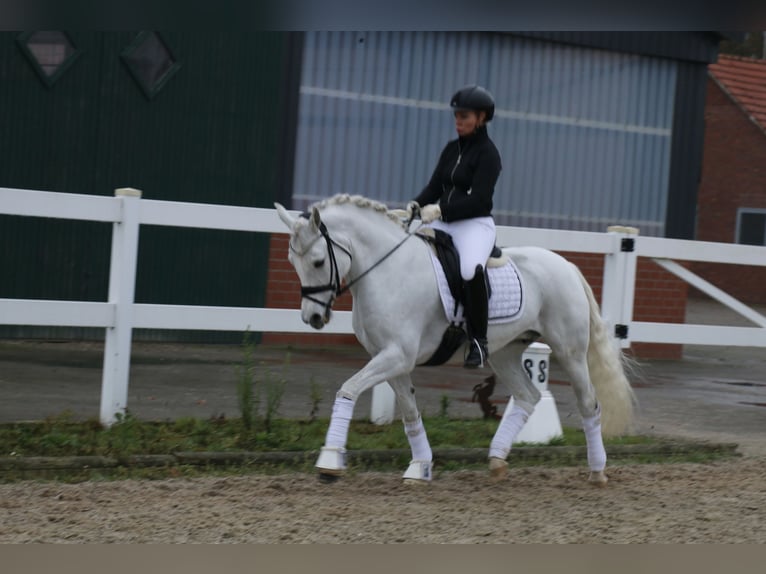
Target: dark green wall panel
{"points": [[211, 135]]}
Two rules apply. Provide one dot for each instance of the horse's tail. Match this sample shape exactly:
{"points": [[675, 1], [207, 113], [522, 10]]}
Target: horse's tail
{"points": [[606, 364]]}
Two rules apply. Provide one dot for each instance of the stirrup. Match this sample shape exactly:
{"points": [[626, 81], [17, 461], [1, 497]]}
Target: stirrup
{"points": [[477, 354]]}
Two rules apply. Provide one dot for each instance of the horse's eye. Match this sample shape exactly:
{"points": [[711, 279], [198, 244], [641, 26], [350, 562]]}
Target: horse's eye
{"points": [[319, 263]]}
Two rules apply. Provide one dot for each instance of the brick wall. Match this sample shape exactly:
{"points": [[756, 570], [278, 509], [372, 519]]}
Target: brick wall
{"points": [[660, 296], [733, 176]]}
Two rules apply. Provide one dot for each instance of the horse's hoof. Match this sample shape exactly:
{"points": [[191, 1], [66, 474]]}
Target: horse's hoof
{"points": [[328, 478], [598, 478], [419, 471], [498, 469], [332, 461]]}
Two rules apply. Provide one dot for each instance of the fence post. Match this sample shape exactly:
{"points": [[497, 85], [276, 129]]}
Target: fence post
{"points": [[619, 283], [122, 284]]}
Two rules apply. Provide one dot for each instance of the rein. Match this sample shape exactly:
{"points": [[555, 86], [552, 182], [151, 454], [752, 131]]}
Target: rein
{"points": [[335, 280]]}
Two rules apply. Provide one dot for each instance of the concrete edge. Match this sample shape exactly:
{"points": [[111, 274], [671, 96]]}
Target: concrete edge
{"points": [[560, 454]]}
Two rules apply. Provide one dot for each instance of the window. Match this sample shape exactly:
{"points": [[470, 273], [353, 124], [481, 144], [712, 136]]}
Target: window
{"points": [[150, 61], [49, 52], [751, 226]]}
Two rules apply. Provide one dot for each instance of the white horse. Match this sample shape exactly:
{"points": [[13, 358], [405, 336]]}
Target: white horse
{"points": [[399, 319]]}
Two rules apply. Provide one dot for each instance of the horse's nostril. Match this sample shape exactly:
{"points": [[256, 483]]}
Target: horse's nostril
{"points": [[316, 321]]}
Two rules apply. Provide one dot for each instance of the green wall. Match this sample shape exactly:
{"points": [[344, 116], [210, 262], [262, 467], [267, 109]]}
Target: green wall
{"points": [[212, 134]]}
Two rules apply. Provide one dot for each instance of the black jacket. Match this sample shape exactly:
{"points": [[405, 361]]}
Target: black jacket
{"points": [[464, 179]]}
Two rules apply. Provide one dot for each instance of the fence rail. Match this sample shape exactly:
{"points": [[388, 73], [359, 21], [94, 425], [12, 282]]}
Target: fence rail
{"points": [[119, 315]]}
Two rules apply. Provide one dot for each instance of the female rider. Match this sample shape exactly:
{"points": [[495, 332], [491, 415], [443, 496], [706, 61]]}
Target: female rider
{"points": [[458, 200]]}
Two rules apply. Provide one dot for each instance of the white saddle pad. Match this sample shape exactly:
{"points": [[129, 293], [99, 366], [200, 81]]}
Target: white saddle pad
{"points": [[505, 303]]}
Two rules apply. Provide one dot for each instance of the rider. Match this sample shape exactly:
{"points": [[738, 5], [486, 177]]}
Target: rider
{"points": [[458, 200]]}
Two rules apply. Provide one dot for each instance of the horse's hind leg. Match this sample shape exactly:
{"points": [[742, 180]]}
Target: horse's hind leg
{"points": [[576, 366], [507, 366], [419, 470]]}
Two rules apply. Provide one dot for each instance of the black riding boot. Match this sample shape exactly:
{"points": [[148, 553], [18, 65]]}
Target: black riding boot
{"points": [[475, 292]]}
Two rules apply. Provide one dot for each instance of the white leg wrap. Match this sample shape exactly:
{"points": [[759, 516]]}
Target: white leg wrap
{"points": [[510, 425], [337, 433], [596, 452], [416, 434]]}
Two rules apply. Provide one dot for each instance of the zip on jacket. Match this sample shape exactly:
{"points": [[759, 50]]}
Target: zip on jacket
{"points": [[463, 181]]}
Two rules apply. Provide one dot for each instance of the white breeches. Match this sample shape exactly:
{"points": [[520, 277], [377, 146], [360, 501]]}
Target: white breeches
{"points": [[473, 238]]}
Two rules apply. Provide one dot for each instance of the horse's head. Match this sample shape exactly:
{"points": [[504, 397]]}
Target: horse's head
{"points": [[320, 261]]}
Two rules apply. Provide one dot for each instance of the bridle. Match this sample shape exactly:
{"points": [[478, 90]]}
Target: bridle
{"points": [[334, 284]]}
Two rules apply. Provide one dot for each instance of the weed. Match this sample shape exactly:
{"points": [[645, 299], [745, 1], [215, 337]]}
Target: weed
{"points": [[249, 388], [126, 435], [248, 397], [315, 392], [275, 389], [444, 402]]}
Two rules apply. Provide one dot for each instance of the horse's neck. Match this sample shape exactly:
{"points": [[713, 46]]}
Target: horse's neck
{"points": [[369, 234]]}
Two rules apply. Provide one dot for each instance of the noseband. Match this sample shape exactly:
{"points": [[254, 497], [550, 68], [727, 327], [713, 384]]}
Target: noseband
{"points": [[335, 279]]}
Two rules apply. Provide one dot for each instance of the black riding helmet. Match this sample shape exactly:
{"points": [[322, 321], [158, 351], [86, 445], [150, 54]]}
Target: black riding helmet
{"points": [[474, 98]]}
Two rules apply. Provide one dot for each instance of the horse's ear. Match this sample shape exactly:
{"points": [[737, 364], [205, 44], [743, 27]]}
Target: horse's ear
{"points": [[315, 219], [284, 215]]}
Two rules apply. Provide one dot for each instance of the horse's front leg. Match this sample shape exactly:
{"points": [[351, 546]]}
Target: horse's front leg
{"points": [[420, 468], [387, 365]]}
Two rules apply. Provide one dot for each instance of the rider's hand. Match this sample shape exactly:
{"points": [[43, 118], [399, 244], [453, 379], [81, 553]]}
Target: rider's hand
{"points": [[430, 212], [413, 208]]}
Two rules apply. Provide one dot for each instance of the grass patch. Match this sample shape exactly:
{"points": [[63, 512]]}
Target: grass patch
{"points": [[229, 446], [65, 436]]}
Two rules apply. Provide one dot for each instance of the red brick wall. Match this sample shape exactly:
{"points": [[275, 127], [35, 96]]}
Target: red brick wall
{"points": [[733, 176], [660, 296]]}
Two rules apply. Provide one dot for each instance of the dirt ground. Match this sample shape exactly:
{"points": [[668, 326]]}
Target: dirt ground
{"points": [[716, 395], [722, 502]]}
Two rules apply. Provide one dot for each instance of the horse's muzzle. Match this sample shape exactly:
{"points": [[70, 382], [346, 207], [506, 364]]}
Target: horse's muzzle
{"points": [[318, 321]]}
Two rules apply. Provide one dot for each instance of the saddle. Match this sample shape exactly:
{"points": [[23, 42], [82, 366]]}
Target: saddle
{"points": [[447, 254]]}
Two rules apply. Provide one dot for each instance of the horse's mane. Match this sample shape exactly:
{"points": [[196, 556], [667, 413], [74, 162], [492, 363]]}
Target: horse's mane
{"points": [[361, 202]]}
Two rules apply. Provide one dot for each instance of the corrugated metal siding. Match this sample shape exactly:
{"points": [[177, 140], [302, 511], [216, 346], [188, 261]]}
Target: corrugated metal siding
{"points": [[211, 135], [584, 134]]}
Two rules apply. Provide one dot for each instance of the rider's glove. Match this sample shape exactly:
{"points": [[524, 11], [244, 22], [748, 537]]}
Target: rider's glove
{"points": [[430, 212], [413, 208]]}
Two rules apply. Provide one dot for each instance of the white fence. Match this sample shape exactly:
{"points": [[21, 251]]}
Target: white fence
{"points": [[119, 315]]}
